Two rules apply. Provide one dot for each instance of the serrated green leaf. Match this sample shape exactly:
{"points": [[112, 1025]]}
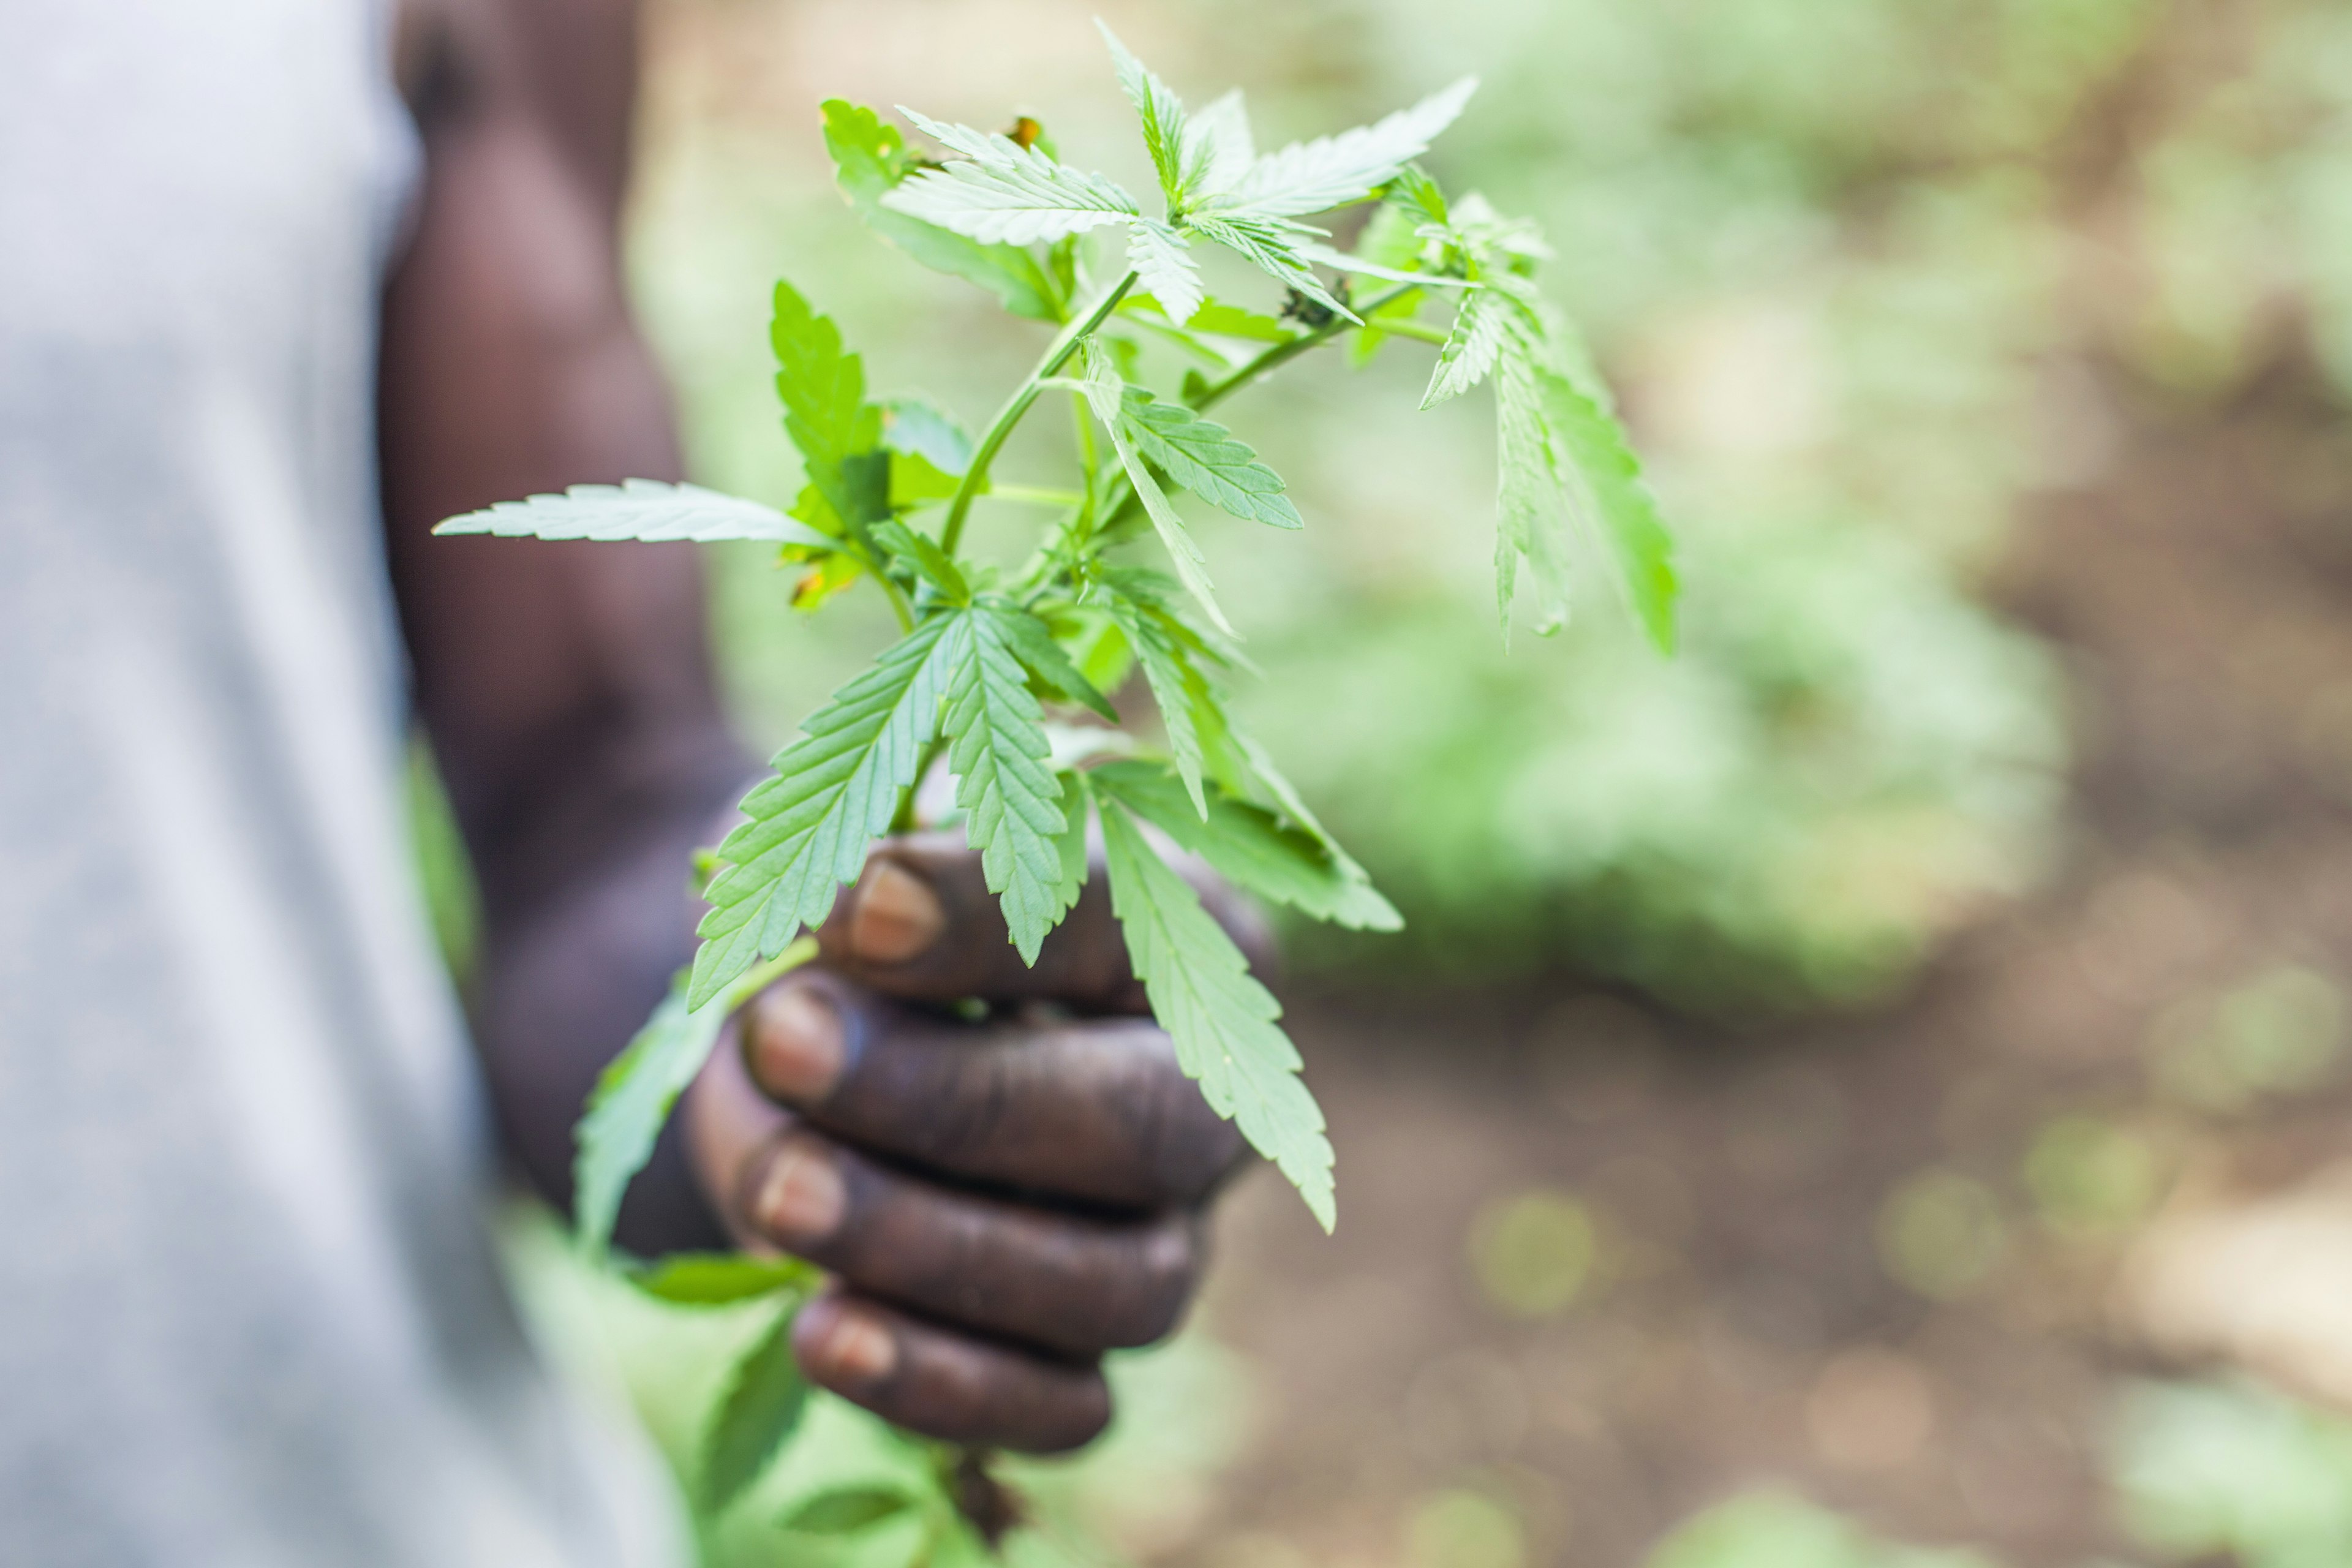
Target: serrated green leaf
{"points": [[837, 432], [1107, 395], [1565, 461], [764, 1401], [1163, 270], [635, 1092], [1012, 802], [1252, 847], [1072, 845], [847, 1510], [1480, 325], [1273, 248], [721, 1278], [1161, 114], [1205, 458], [870, 160], [1177, 686], [833, 791], [1005, 193], [922, 554], [1332, 171], [1222, 1020], [1418, 198], [644, 510], [1032, 643], [1218, 147]]}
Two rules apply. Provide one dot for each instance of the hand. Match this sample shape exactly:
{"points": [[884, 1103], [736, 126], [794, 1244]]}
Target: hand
{"points": [[999, 1201]]}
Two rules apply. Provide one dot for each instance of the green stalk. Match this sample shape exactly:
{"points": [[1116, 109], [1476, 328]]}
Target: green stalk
{"points": [[1057, 356]]}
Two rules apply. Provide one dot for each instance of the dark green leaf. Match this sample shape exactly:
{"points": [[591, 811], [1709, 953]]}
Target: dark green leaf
{"points": [[763, 1402]]}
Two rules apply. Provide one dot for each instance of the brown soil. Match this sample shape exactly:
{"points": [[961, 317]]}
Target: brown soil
{"points": [[1744, 1329]]}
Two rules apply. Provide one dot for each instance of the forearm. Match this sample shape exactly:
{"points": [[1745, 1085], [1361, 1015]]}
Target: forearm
{"points": [[567, 689], [589, 915]]}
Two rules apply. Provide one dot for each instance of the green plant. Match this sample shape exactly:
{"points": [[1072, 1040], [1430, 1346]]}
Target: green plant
{"points": [[985, 647]]}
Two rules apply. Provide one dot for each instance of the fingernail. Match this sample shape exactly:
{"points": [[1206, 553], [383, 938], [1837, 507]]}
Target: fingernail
{"points": [[897, 916], [802, 1198], [856, 1349], [798, 1044]]}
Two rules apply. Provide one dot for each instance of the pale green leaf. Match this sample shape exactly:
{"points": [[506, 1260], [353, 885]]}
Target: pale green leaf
{"points": [[1163, 270], [1340, 261], [847, 1510], [765, 1398], [1206, 460], [1005, 193], [1163, 116], [1252, 847], [921, 428], [638, 509], [870, 160], [1471, 349], [1072, 845], [1222, 1020], [1178, 686], [1273, 248], [1565, 462], [833, 791], [1106, 393], [1332, 171], [634, 1093], [1012, 802], [1218, 147], [721, 1278]]}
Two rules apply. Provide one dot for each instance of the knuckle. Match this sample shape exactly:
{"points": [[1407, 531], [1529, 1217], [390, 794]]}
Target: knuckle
{"points": [[1159, 1271]]}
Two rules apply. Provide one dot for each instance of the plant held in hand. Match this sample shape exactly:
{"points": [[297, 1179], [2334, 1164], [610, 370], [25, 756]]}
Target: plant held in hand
{"points": [[989, 649]]}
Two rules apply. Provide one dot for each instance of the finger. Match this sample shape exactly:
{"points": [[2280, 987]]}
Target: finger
{"points": [[948, 1386], [1062, 1282], [1091, 1109], [921, 924]]}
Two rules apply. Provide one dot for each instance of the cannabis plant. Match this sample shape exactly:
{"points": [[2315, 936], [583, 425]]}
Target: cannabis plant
{"points": [[1001, 671]]}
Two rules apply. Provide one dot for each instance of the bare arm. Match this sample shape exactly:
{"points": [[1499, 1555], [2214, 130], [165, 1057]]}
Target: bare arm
{"points": [[567, 689], [1000, 1202]]}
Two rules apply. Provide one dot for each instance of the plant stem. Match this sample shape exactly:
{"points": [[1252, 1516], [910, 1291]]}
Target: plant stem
{"points": [[1064, 344], [1282, 353]]}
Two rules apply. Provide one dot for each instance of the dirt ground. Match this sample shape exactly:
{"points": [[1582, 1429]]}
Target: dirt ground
{"points": [[1742, 1326]]}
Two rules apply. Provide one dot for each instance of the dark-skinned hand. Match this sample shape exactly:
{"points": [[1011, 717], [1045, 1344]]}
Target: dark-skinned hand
{"points": [[998, 1203]]}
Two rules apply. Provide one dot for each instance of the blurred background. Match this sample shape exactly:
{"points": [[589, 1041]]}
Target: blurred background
{"points": [[1870, 1090]]}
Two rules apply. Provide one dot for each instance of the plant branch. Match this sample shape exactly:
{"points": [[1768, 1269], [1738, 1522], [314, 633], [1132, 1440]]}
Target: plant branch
{"points": [[1064, 344]]}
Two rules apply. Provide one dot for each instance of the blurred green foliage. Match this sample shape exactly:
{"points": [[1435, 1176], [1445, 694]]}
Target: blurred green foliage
{"points": [[2235, 1470], [1181, 1410], [1766, 1529]]}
